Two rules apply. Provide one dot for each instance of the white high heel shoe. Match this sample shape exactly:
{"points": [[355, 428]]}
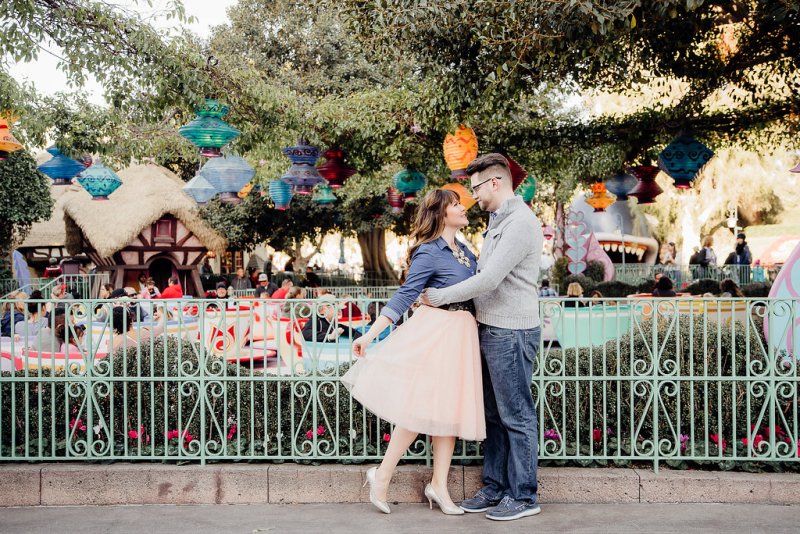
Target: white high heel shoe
{"points": [[383, 506], [431, 495]]}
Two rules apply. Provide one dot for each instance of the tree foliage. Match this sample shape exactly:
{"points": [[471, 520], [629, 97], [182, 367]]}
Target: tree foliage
{"points": [[26, 199]]}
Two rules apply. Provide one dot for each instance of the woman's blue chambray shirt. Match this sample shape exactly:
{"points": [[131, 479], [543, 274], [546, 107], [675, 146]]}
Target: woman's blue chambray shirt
{"points": [[433, 265]]}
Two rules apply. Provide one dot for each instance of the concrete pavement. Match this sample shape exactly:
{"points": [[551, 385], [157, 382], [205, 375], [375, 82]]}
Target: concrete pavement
{"points": [[364, 519]]}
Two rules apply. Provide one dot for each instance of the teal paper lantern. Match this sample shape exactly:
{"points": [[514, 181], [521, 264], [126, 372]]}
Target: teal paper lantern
{"points": [[208, 131], [280, 193], [683, 159], [60, 169], [199, 189], [409, 182], [99, 180], [323, 194], [527, 189], [228, 175]]}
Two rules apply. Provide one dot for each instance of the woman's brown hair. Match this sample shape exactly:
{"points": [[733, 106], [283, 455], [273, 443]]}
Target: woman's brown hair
{"points": [[429, 220]]}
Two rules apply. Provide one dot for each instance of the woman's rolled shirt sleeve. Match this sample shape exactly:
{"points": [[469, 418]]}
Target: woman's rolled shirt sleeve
{"points": [[423, 265]]}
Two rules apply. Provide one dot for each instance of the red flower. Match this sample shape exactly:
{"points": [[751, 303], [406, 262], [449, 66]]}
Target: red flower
{"points": [[597, 434], [309, 434], [320, 430], [756, 442], [77, 423], [232, 432], [133, 434], [387, 437], [719, 441]]}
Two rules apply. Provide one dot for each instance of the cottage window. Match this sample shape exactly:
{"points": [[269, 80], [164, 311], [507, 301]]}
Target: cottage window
{"points": [[164, 231]]}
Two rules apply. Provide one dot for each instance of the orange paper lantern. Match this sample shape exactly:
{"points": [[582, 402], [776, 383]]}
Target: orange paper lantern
{"points": [[8, 143], [460, 149], [244, 191], [600, 198], [463, 195]]}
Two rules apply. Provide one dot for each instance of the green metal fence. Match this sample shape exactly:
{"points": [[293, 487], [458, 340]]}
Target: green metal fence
{"points": [[80, 285], [657, 380], [741, 274]]}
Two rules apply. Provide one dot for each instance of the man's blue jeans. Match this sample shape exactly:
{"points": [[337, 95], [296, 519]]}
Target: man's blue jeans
{"points": [[511, 449]]}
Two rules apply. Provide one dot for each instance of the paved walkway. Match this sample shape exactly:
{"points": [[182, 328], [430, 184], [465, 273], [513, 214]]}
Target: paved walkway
{"points": [[361, 518]]}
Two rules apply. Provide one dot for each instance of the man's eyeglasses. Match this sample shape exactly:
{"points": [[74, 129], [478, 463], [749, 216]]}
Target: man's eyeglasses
{"points": [[475, 187]]}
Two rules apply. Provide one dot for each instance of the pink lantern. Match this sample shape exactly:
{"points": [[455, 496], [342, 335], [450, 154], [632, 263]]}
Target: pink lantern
{"points": [[548, 231], [396, 200]]}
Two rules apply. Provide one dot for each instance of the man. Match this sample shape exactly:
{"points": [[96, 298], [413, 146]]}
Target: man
{"points": [[221, 291], [281, 293], [507, 311], [545, 290], [320, 327], [173, 289], [268, 267], [53, 270], [241, 282], [265, 286], [312, 278]]}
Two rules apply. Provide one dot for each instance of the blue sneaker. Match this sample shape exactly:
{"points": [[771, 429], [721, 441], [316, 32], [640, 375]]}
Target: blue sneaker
{"points": [[509, 509], [479, 503]]}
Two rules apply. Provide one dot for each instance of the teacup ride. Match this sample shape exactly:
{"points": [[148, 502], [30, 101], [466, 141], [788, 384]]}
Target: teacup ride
{"points": [[713, 309], [590, 325]]}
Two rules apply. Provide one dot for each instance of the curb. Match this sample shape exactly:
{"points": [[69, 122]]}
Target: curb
{"points": [[55, 484]]}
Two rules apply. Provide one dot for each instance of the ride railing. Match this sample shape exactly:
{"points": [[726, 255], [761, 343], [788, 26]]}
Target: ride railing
{"points": [[741, 274], [79, 285], [615, 381]]}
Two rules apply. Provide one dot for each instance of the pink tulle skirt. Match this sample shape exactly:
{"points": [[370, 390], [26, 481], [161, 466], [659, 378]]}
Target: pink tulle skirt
{"points": [[426, 376]]}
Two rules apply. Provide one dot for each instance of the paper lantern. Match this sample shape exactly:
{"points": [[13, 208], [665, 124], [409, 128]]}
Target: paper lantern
{"points": [[683, 159], [599, 198], [8, 143], [460, 148], [60, 168], [620, 184], [244, 191], [303, 178], [518, 174], [199, 189], [228, 175], [647, 189], [302, 153], [395, 200], [527, 189], [409, 181], [335, 170], [99, 180], [323, 194], [464, 195], [280, 193], [548, 232], [208, 131]]}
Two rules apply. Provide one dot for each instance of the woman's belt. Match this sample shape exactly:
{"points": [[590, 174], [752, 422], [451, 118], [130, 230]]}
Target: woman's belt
{"points": [[467, 306]]}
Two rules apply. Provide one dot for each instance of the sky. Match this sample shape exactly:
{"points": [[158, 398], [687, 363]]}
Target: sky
{"points": [[47, 79]]}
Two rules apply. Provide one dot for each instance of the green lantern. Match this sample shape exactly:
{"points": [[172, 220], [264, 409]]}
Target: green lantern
{"points": [[208, 131], [527, 189], [323, 194]]}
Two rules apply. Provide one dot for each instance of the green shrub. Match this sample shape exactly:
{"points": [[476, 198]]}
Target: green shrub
{"points": [[702, 286], [757, 290]]}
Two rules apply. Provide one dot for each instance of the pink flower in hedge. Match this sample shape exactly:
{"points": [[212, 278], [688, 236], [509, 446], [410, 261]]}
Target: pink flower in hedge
{"points": [[387, 437], [552, 433], [77, 423], [320, 430], [133, 434], [232, 432], [684, 440], [719, 441], [309, 434]]}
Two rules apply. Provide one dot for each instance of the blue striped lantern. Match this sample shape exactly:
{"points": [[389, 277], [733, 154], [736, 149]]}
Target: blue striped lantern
{"points": [[409, 182], [199, 189], [683, 159], [99, 180], [60, 168], [620, 184], [280, 193], [228, 175], [303, 178]]}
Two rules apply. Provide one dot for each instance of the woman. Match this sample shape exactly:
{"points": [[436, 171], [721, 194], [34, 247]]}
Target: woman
{"points": [[300, 309], [574, 296], [729, 288], [664, 288], [13, 313], [149, 290], [426, 377]]}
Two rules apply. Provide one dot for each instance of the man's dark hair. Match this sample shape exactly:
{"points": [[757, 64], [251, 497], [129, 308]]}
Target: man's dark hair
{"points": [[664, 284], [484, 162], [174, 279], [545, 283]]}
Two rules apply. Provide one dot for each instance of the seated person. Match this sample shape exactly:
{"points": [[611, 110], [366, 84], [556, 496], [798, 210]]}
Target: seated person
{"points": [[285, 286], [574, 296], [349, 309], [664, 288], [265, 288], [13, 313], [68, 339], [221, 293], [293, 308], [320, 326], [729, 288]]}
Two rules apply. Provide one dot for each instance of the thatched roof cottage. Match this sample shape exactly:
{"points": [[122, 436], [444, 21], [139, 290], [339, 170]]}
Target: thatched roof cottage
{"points": [[147, 225]]}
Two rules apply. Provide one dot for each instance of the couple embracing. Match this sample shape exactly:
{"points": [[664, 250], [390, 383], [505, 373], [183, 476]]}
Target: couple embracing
{"points": [[461, 366]]}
